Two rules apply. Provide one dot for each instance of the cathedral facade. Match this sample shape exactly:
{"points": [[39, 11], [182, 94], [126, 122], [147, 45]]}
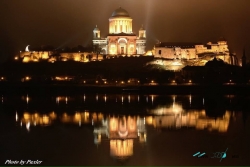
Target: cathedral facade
{"points": [[121, 40]]}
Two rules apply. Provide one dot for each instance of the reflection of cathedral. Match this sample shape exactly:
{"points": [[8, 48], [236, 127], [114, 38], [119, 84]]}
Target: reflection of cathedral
{"points": [[121, 39], [122, 131]]}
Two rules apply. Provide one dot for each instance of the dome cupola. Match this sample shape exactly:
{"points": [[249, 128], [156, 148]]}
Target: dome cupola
{"points": [[120, 13]]}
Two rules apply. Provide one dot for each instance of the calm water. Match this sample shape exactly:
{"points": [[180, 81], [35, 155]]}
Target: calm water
{"points": [[125, 129]]}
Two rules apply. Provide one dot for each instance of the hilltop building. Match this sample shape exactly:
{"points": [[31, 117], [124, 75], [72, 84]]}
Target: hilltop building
{"points": [[189, 51], [176, 55], [121, 39]]}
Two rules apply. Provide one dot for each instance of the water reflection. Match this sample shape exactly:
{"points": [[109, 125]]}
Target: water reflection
{"points": [[127, 123], [37, 119], [121, 131], [198, 120]]}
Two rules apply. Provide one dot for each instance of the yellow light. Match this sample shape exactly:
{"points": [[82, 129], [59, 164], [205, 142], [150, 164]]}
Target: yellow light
{"points": [[66, 77], [152, 81], [105, 82], [173, 81], [122, 82], [128, 81], [190, 81], [27, 78], [138, 81], [230, 80], [96, 81], [16, 58], [2, 78], [84, 81], [45, 119]]}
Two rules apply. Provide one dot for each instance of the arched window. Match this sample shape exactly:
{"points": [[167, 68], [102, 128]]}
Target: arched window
{"points": [[159, 52]]}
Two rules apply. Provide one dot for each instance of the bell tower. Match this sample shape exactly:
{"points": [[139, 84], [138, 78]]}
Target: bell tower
{"points": [[96, 33], [142, 32]]}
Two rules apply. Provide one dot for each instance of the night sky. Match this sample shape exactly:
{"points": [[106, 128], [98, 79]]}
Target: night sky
{"points": [[70, 23]]}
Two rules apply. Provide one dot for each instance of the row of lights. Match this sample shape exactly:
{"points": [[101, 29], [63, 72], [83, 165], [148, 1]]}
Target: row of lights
{"points": [[27, 78], [122, 82]]}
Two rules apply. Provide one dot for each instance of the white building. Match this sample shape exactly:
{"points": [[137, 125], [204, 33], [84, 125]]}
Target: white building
{"points": [[180, 50], [121, 39]]}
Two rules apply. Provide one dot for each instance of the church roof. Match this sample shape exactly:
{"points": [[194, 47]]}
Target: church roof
{"points": [[120, 13], [121, 34], [215, 63], [96, 28]]}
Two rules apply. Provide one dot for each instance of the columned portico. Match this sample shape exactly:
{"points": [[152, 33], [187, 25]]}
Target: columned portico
{"points": [[121, 39]]}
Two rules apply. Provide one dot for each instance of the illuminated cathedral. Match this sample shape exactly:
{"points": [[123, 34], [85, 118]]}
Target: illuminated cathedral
{"points": [[121, 39]]}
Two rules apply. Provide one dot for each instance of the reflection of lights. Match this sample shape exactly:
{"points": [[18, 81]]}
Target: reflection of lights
{"points": [[27, 78], [77, 116], [45, 119], [113, 124], [121, 148], [100, 116], [84, 97], [52, 115], [96, 81], [138, 98], [57, 100], [105, 98], [28, 126], [190, 81], [96, 97], [27, 99], [190, 99], [26, 116], [122, 99], [16, 117], [173, 81], [66, 100], [129, 98], [149, 120], [147, 98], [203, 101], [152, 81], [152, 99]]}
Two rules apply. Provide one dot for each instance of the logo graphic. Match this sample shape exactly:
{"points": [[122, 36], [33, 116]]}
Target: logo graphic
{"points": [[220, 155], [198, 154]]}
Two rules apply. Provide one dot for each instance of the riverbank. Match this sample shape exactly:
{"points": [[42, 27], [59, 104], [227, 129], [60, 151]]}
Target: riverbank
{"points": [[9, 88]]}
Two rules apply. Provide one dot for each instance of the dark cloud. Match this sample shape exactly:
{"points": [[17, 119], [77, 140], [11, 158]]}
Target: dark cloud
{"points": [[70, 22]]}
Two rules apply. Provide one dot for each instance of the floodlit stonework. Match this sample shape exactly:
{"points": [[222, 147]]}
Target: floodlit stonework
{"points": [[176, 55], [121, 39]]}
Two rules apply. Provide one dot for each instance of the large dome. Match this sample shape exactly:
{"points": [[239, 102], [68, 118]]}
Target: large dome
{"points": [[120, 13]]}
